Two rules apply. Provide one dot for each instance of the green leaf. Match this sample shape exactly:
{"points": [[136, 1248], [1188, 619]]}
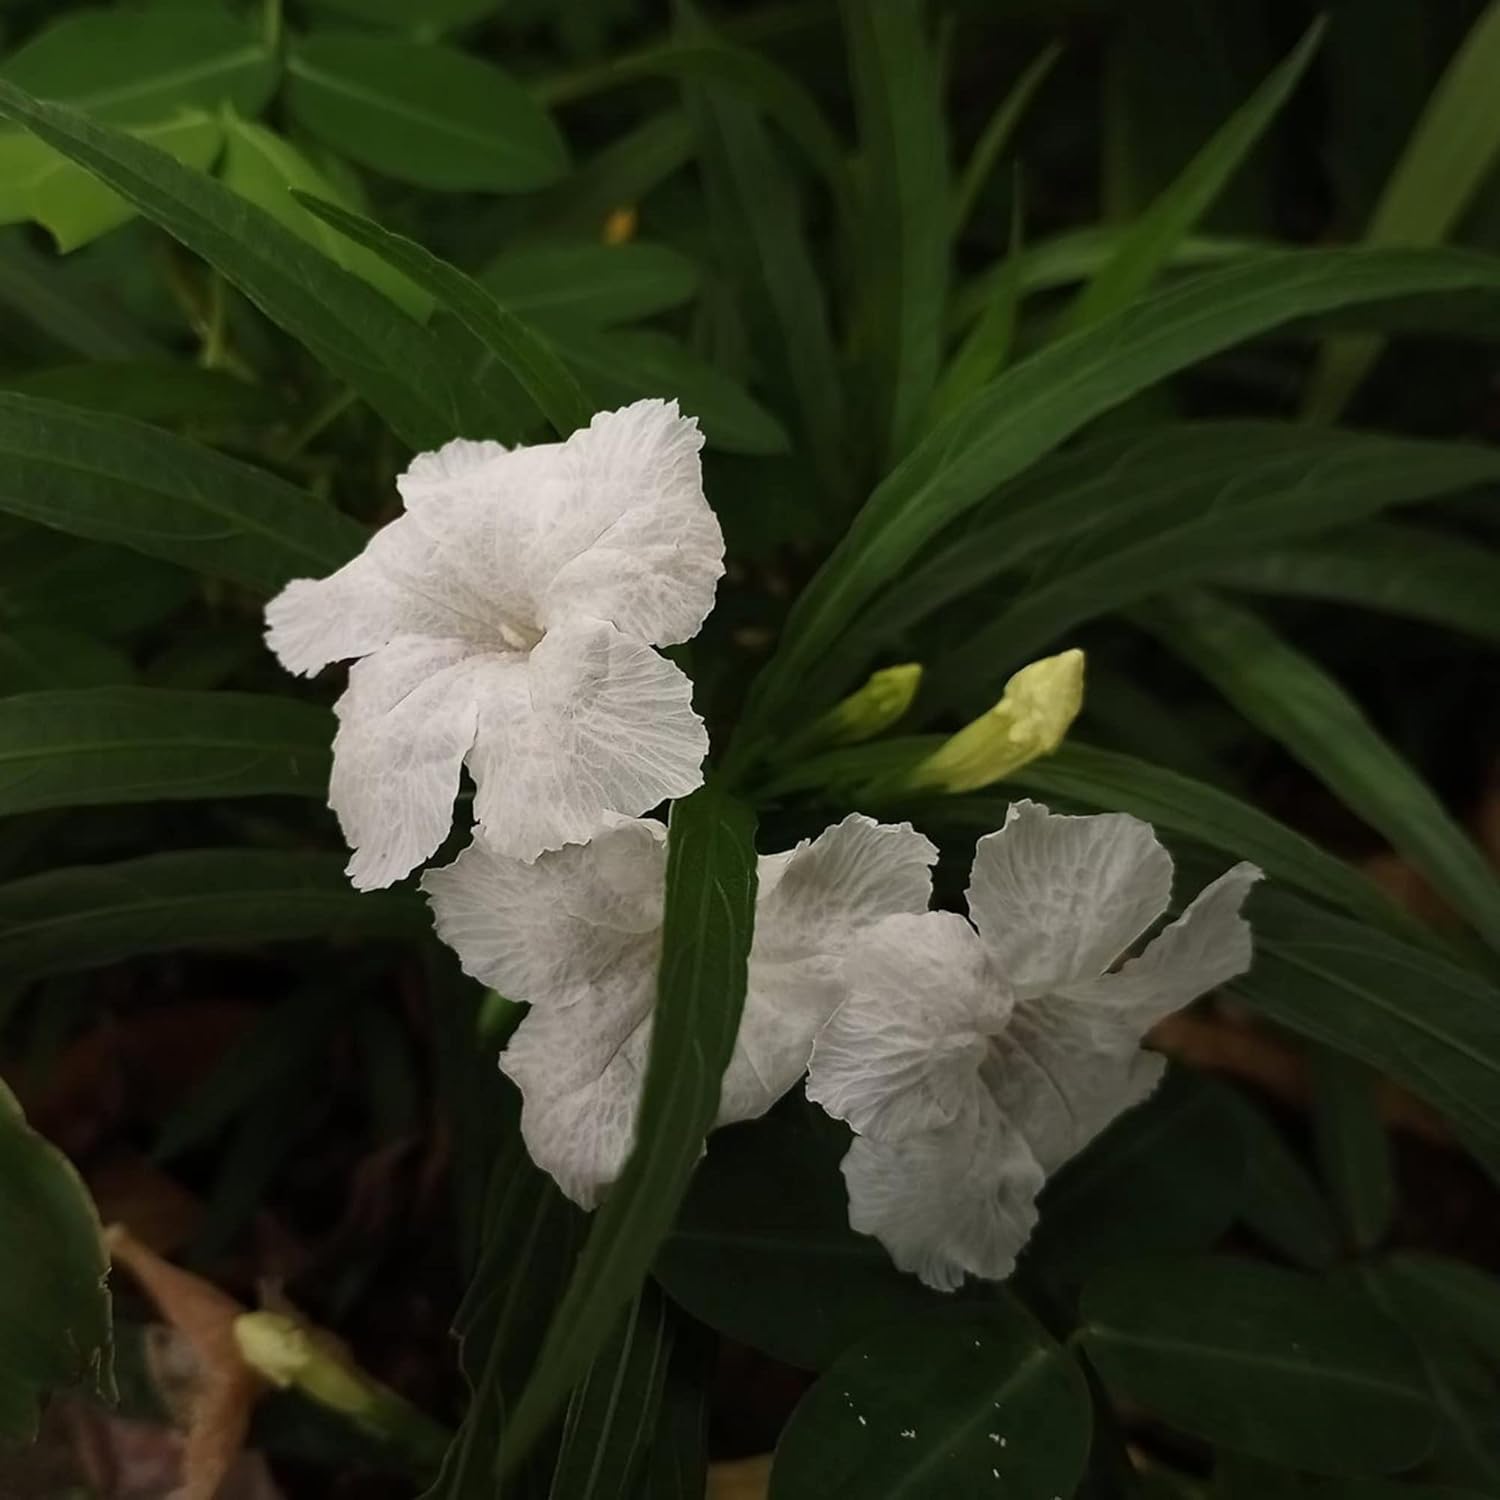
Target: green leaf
{"points": [[1288, 697], [88, 916], [75, 206], [1044, 400], [114, 745], [157, 392], [354, 330], [141, 66], [1152, 238], [1168, 1176], [1112, 782], [905, 211], [520, 350], [624, 364], [1272, 1363], [434, 15], [583, 282], [114, 480], [677, 1466], [707, 927], [979, 1401], [762, 1250], [1183, 501], [268, 170], [43, 656], [1353, 1151], [997, 134], [1407, 1011], [40, 290], [54, 1305], [1462, 1296], [424, 114], [1447, 160], [1283, 1206], [1389, 567], [606, 1436]]}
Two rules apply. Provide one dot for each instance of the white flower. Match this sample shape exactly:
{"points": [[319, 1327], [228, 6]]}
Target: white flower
{"points": [[971, 1064], [506, 621], [578, 935]]}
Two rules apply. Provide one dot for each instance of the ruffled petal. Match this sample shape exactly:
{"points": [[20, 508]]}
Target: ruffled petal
{"points": [[580, 921], [1208, 945], [1059, 899], [580, 1069], [947, 1203], [1056, 1086], [902, 1054], [602, 726], [629, 537], [812, 903], [406, 721]]}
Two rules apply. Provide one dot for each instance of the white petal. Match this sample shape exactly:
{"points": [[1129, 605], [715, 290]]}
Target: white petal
{"points": [[1056, 1086], [947, 1203], [604, 726], [1208, 945], [586, 918], [406, 721], [902, 1054], [811, 904], [460, 465], [580, 1069], [630, 537], [1059, 899]]}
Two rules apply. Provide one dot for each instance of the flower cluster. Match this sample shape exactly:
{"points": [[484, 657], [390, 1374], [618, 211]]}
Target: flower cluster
{"points": [[506, 623]]}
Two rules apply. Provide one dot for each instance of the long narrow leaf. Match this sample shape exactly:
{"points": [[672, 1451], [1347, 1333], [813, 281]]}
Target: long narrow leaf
{"points": [[359, 334], [1450, 154], [518, 347], [114, 480], [1150, 241], [1290, 698], [708, 923], [1041, 402]]}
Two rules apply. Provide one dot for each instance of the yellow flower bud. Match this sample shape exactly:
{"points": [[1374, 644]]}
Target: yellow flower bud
{"points": [[1040, 703]]}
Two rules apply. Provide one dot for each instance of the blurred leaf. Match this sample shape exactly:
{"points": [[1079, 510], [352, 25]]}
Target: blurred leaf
{"points": [[1272, 1363], [1450, 154], [75, 206], [423, 114], [36, 287], [677, 1466], [1112, 782], [618, 365], [1044, 400], [110, 745], [43, 656], [1353, 1151], [88, 916], [1167, 1176], [762, 1250], [589, 283], [434, 15], [166, 394], [977, 1401], [1149, 241], [115, 480], [354, 330], [268, 170], [707, 927], [1147, 510], [54, 1304], [606, 1436], [1462, 1296], [1390, 567], [906, 212], [1283, 1204], [1288, 697], [524, 353]]}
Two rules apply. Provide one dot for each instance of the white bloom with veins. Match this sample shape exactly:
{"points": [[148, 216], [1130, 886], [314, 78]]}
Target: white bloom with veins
{"points": [[972, 1061], [577, 935], [506, 622]]}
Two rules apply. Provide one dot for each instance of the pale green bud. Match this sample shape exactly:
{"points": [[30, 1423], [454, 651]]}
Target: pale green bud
{"points": [[1040, 703], [864, 714]]}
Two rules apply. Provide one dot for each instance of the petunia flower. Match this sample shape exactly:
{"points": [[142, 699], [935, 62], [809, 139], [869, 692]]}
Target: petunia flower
{"points": [[577, 935], [506, 622], [972, 1061]]}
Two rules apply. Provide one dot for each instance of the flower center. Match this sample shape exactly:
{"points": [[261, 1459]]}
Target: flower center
{"points": [[517, 637]]}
